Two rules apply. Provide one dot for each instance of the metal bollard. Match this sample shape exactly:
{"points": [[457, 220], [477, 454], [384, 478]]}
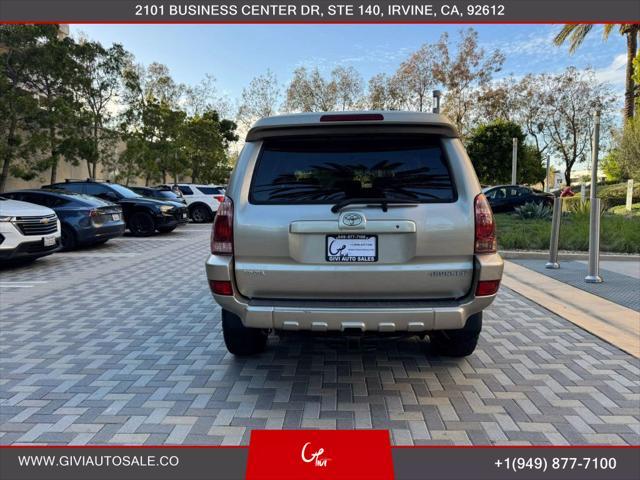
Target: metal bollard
{"points": [[594, 243], [555, 234]]}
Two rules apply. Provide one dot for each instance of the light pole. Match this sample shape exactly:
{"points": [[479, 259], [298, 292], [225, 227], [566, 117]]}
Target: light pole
{"points": [[514, 161], [436, 101]]}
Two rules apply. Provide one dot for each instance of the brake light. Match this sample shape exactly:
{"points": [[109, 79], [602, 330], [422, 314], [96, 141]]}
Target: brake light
{"points": [[353, 117], [222, 231], [219, 198], [485, 237], [487, 287], [220, 287], [93, 213]]}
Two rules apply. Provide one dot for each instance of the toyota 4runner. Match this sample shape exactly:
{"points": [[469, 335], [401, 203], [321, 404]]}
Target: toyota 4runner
{"points": [[354, 223]]}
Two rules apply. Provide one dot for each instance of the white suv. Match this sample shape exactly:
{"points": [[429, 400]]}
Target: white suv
{"points": [[27, 231], [202, 200]]}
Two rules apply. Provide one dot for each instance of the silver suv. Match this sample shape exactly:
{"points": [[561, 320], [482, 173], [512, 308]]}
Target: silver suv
{"points": [[354, 222]]}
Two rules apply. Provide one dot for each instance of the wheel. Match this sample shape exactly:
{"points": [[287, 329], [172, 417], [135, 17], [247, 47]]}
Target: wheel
{"points": [[458, 343], [166, 229], [241, 340], [69, 241], [141, 224], [201, 214]]}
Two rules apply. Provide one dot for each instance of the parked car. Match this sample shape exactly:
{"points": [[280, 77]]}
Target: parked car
{"points": [[27, 231], [85, 220], [505, 198], [142, 216], [159, 193], [353, 223], [203, 200]]}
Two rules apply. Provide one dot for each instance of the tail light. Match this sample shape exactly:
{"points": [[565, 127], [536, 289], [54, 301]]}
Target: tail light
{"points": [[487, 287], [222, 231], [220, 287], [93, 213], [485, 237], [219, 198]]}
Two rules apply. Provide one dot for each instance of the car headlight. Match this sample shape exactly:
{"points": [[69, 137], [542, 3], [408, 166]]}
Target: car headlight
{"points": [[7, 218], [166, 209]]}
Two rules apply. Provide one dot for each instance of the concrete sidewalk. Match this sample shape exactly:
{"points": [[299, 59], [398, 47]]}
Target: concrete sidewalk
{"points": [[610, 321]]}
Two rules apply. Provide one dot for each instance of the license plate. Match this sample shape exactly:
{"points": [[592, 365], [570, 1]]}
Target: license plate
{"points": [[184, 215], [49, 241], [115, 216], [352, 248]]}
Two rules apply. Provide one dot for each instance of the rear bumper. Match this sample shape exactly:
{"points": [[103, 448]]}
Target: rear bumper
{"points": [[105, 232], [378, 316]]}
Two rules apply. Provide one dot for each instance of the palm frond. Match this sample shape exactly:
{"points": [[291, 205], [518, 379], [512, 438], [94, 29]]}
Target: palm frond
{"points": [[575, 33]]}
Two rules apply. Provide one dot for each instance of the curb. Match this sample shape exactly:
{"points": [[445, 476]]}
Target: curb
{"points": [[566, 256]]}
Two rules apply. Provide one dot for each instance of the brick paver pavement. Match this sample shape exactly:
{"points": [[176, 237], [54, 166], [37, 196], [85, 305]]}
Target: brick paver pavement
{"points": [[121, 344]]}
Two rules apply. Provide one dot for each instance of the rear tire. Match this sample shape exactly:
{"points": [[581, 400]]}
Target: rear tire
{"points": [[201, 214], [141, 224], [241, 340], [69, 241], [458, 343]]}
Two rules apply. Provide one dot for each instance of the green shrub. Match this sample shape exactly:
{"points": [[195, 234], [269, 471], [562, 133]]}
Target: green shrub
{"points": [[613, 195], [619, 233], [622, 210], [533, 210]]}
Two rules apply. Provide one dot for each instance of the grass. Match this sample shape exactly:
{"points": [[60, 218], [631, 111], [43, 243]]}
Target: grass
{"points": [[619, 233]]}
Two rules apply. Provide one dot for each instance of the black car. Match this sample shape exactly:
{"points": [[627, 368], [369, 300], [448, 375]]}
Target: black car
{"points": [[505, 198], [84, 220], [159, 193], [143, 216]]}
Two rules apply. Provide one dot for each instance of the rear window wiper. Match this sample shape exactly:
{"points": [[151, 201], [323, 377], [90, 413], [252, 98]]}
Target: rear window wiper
{"points": [[384, 203]]}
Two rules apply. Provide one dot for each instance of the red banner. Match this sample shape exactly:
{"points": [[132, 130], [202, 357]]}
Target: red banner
{"points": [[320, 454]]}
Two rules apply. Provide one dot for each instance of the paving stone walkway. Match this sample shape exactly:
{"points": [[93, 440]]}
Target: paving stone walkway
{"points": [[122, 345]]}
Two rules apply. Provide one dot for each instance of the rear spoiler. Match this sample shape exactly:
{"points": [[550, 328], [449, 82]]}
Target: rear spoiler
{"points": [[273, 131]]}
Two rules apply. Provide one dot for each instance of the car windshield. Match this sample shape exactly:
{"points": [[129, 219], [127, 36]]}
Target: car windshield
{"points": [[325, 169], [124, 191]]}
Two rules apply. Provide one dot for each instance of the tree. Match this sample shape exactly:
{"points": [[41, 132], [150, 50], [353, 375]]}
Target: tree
{"points": [[348, 85], [490, 149], [101, 71], [463, 75], [18, 107], [416, 78], [204, 140], [576, 34], [53, 77], [260, 99], [204, 97], [626, 154], [310, 92], [569, 105]]}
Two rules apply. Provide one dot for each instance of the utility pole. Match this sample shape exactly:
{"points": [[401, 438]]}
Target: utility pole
{"points": [[514, 162]]}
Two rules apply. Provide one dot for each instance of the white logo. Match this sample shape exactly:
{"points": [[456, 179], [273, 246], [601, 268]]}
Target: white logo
{"points": [[314, 457], [352, 219]]}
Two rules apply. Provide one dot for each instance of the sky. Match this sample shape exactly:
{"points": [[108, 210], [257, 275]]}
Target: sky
{"points": [[234, 54]]}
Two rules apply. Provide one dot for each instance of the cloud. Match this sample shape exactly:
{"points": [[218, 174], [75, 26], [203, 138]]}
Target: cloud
{"points": [[615, 72]]}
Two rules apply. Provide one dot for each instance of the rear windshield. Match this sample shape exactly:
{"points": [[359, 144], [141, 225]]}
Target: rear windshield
{"points": [[333, 168], [211, 190]]}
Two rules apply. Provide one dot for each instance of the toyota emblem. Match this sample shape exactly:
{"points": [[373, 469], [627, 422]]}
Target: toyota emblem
{"points": [[352, 219]]}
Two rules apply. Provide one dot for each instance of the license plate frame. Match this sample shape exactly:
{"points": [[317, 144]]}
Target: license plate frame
{"points": [[344, 248]]}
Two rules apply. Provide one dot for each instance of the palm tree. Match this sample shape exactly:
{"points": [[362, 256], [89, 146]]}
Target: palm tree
{"points": [[576, 35]]}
